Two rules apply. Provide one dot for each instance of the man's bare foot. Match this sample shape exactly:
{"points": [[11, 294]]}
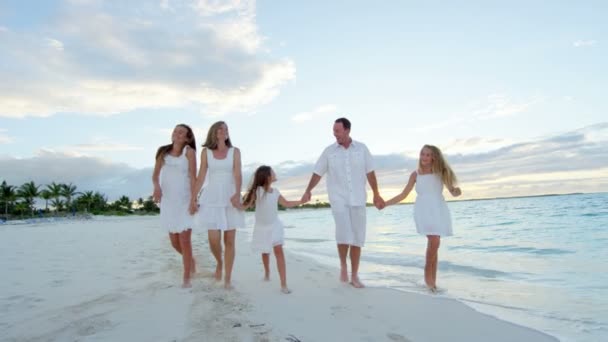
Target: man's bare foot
{"points": [[218, 272], [355, 282], [285, 290], [343, 275]]}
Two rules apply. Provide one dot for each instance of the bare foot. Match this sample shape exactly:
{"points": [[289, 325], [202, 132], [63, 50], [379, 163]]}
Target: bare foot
{"points": [[433, 289], [355, 282], [343, 275], [218, 272], [285, 290], [186, 284], [266, 278], [228, 286]]}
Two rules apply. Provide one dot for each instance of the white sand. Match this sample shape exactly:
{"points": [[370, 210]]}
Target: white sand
{"points": [[118, 280]]}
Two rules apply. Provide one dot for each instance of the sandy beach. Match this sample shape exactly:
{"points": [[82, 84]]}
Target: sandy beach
{"points": [[117, 279]]}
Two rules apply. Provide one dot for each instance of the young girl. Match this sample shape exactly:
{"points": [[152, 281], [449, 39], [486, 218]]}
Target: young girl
{"points": [[431, 213], [173, 178], [268, 229]]}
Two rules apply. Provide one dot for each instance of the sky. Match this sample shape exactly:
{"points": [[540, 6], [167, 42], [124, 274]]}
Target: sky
{"points": [[514, 93]]}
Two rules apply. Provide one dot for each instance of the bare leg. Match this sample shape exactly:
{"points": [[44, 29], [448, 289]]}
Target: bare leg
{"points": [[430, 270], [355, 256], [278, 253], [215, 244], [186, 247], [266, 262], [343, 252], [174, 237], [229, 237]]}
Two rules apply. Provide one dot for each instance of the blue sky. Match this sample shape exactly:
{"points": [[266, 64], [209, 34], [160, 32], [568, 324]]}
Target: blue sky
{"points": [[514, 93]]}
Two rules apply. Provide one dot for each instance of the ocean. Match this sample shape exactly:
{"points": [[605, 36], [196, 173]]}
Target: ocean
{"points": [[535, 261]]}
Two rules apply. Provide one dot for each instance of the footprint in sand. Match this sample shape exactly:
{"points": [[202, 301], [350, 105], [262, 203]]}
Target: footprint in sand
{"points": [[397, 337]]}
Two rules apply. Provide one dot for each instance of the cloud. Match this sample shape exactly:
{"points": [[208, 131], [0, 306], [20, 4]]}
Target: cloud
{"points": [[103, 58], [4, 138], [323, 110], [493, 106], [104, 147], [574, 161], [584, 43]]}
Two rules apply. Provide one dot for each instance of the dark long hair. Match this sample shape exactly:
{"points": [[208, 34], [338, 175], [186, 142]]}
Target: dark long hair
{"points": [[211, 142], [163, 150], [261, 178]]}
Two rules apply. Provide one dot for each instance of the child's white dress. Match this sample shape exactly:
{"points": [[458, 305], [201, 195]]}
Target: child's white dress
{"points": [[216, 210], [175, 200], [431, 212], [268, 230]]}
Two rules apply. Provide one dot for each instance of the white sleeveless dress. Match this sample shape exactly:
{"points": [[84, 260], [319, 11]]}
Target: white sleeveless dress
{"points": [[216, 210], [175, 200], [431, 212], [268, 230]]}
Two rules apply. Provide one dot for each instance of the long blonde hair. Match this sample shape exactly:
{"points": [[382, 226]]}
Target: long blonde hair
{"points": [[440, 166], [211, 142]]}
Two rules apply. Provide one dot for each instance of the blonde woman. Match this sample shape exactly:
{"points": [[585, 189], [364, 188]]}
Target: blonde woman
{"points": [[219, 200], [431, 212]]}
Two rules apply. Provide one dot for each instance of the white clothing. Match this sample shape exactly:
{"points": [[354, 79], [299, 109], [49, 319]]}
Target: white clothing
{"points": [[347, 170], [268, 230], [175, 200], [350, 224], [431, 212], [216, 211]]}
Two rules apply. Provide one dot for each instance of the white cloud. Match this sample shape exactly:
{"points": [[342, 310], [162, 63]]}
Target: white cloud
{"points": [[584, 43], [130, 55], [4, 138], [494, 106], [323, 110], [105, 147], [55, 44]]}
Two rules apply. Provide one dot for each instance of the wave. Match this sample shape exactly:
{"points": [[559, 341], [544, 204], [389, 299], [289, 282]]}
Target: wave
{"points": [[515, 249]]}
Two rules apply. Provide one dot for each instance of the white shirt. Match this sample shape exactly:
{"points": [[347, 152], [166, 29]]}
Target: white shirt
{"points": [[347, 170]]}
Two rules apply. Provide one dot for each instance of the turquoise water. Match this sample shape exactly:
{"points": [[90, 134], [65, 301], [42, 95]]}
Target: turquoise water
{"points": [[536, 261]]}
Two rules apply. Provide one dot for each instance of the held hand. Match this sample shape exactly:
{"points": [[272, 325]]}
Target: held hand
{"points": [[456, 192], [306, 197], [157, 194], [193, 207], [379, 202], [236, 201]]}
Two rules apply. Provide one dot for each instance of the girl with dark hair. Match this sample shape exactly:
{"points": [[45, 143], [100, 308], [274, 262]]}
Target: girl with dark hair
{"points": [[268, 230], [173, 178]]}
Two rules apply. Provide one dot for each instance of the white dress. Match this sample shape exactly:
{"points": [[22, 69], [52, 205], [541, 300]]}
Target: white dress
{"points": [[431, 212], [216, 210], [268, 230], [175, 200]]}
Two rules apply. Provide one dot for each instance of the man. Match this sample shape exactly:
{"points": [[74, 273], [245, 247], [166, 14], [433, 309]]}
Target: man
{"points": [[348, 163]]}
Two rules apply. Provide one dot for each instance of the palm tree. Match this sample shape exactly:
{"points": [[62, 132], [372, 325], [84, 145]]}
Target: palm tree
{"points": [[100, 201], [29, 191], [68, 192], [8, 196], [124, 203], [87, 197], [55, 190], [57, 204], [46, 195]]}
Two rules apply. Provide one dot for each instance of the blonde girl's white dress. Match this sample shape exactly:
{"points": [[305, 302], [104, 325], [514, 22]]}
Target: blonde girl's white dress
{"points": [[175, 200], [268, 230], [216, 210], [431, 212]]}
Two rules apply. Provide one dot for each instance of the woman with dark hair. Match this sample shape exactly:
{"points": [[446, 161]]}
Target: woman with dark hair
{"points": [[173, 179], [220, 198]]}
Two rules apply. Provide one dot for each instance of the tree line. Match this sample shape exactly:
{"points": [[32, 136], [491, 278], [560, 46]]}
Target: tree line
{"points": [[62, 199]]}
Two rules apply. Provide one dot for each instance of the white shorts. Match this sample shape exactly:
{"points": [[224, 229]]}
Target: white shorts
{"points": [[350, 224]]}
